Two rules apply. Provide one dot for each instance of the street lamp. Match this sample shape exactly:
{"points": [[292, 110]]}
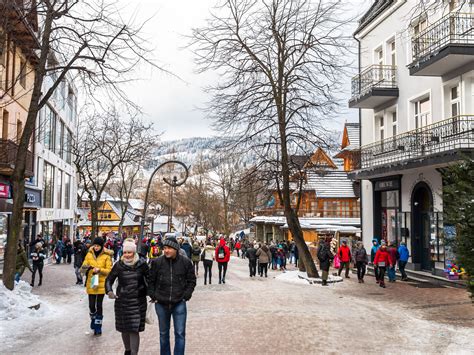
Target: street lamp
{"points": [[173, 183]]}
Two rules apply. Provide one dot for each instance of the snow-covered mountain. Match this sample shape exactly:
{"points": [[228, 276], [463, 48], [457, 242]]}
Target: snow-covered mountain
{"points": [[190, 151]]}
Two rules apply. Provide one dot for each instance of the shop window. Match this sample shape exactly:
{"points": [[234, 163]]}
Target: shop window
{"points": [[59, 189], [390, 199]]}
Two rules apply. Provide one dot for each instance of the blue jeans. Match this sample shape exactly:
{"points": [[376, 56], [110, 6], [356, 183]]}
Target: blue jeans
{"points": [[17, 276], [179, 313]]}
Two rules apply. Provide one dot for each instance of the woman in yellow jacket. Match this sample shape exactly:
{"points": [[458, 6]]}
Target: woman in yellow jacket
{"points": [[97, 264]]}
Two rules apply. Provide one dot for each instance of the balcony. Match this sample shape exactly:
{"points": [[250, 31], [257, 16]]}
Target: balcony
{"points": [[373, 87], [8, 153], [444, 46], [435, 144]]}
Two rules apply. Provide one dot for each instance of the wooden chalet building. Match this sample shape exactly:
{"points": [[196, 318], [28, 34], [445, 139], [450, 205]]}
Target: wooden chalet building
{"points": [[329, 198]]}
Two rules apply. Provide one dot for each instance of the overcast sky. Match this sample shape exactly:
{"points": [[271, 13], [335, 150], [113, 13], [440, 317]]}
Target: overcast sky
{"points": [[170, 103]]}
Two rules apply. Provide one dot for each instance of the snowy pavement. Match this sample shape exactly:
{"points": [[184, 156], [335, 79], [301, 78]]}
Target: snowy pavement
{"points": [[260, 316]]}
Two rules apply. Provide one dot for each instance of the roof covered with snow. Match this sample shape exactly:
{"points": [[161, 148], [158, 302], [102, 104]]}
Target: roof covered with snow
{"points": [[330, 184]]}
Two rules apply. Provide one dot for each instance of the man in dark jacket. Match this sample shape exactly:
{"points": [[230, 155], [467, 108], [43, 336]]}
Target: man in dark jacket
{"points": [[360, 260], [171, 284], [79, 255], [251, 254], [325, 257]]}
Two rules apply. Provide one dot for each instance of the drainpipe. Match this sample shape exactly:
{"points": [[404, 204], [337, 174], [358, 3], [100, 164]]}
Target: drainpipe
{"points": [[360, 136]]}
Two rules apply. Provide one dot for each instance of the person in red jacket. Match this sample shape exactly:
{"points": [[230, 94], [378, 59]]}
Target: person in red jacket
{"points": [[382, 261], [222, 258], [237, 247], [345, 256]]}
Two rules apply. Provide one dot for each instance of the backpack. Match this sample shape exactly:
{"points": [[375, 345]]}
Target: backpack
{"points": [[221, 253]]}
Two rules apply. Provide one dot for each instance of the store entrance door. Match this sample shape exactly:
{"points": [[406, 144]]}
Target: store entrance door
{"points": [[421, 205]]}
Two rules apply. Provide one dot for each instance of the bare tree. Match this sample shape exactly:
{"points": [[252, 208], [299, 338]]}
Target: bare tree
{"points": [[87, 38], [281, 64], [224, 177], [106, 144]]}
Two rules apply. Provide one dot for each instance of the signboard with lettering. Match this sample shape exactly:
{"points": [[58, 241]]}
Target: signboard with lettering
{"points": [[386, 185], [32, 198]]}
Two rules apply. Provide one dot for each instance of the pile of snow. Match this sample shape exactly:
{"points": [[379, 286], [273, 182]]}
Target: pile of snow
{"points": [[15, 304], [298, 277]]}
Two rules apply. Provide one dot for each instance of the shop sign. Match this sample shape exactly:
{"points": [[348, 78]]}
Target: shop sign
{"points": [[4, 191], [385, 185], [32, 198]]}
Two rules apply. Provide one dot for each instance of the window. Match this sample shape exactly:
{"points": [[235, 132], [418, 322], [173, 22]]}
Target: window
{"points": [[48, 184], [455, 101], [57, 145], [62, 149], [379, 56], [67, 191], [69, 147], [49, 128], [5, 118], [380, 128], [420, 26], [393, 53], [394, 124], [22, 75], [59, 189], [19, 130], [40, 129], [422, 112]]}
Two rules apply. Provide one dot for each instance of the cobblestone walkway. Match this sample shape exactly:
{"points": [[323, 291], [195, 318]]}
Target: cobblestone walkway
{"points": [[265, 316]]}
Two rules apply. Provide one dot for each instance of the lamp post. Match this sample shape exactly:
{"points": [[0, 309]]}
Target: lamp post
{"points": [[174, 182]]}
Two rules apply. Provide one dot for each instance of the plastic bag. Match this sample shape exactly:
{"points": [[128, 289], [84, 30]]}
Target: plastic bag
{"points": [[337, 262], [150, 316], [95, 281]]}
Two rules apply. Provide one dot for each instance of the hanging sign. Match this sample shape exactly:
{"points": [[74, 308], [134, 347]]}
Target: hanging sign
{"points": [[4, 191]]}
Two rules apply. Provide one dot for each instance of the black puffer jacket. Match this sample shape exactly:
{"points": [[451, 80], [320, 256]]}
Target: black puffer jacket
{"points": [[325, 257], [251, 253], [130, 306], [171, 280]]}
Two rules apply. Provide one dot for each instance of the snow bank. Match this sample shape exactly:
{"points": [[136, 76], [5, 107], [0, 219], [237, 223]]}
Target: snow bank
{"points": [[298, 277], [15, 304]]}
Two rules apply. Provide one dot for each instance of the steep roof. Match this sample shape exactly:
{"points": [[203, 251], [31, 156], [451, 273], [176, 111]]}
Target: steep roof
{"points": [[320, 160], [330, 184], [353, 130], [377, 7]]}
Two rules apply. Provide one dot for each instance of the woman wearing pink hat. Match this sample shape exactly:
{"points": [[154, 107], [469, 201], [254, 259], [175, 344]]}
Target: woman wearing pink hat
{"points": [[130, 296]]}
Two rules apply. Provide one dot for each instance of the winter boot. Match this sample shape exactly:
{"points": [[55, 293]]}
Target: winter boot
{"points": [[98, 325], [92, 315]]}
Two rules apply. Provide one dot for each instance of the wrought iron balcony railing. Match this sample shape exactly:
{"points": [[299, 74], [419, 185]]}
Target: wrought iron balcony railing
{"points": [[375, 76], [452, 134], [455, 28], [8, 153]]}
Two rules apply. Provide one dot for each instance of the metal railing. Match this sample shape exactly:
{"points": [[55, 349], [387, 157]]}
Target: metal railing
{"points": [[375, 76], [8, 153], [454, 28], [448, 135]]}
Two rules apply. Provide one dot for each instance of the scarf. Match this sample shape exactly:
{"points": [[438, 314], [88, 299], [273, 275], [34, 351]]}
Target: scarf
{"points": [[130, 263]]}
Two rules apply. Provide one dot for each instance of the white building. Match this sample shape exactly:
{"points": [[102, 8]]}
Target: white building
{"points": [[415, 92], [55, 173]]}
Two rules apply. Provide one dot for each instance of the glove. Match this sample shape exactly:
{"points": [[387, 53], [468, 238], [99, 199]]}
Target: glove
{"points": [[111, 295]]}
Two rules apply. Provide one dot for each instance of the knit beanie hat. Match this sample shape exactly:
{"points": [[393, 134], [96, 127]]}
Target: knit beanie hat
{"points": [[98, 241], [129, 245], [171, 242]]}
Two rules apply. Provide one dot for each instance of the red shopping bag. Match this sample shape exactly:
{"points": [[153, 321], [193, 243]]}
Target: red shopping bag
{"points": [[337, 262]]}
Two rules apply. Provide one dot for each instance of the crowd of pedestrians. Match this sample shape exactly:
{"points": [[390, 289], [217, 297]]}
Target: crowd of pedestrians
{"points": [[166, 270]]}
